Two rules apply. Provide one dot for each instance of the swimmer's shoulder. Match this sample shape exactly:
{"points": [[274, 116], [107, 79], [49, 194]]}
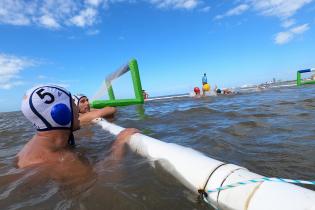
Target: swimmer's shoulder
{"points": [[29, 156]]}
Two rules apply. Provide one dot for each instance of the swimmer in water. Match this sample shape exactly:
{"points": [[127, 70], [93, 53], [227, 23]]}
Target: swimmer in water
{"points": [[53, 113], [227, 91], [86, 115], [217, 90], [145, 94]]}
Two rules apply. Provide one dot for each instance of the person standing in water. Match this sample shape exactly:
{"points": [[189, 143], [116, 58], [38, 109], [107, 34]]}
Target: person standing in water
{"points": [[86, 115], [204, 79], [53, 113]]}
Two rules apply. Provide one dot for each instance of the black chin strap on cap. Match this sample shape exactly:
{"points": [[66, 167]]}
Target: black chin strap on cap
{"points": [[71, 141]]}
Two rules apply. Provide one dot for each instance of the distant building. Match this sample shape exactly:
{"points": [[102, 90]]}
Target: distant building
{"points": [[313, 77]]}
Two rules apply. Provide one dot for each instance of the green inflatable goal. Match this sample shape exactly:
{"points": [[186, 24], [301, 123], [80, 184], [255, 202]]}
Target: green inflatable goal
{"points": [[132, 66]]}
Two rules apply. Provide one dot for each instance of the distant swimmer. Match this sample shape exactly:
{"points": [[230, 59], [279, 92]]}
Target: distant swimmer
{"points": [[197, 92], [145, 94], [204, 79], [53, 113], [217, 90], [86, 115], [227, 91]]}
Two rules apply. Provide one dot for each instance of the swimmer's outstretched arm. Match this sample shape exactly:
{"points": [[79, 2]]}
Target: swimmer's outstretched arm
{"points": [[87, 118]]}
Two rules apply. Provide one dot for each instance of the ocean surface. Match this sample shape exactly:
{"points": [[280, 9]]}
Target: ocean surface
{"points": [[271, 132]]}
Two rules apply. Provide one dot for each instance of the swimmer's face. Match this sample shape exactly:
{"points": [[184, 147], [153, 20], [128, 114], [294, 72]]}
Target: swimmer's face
{"points": [[84, 105], [76, 121]]}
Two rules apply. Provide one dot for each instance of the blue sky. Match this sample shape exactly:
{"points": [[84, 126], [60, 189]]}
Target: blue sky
{"points": [[77, 43]]}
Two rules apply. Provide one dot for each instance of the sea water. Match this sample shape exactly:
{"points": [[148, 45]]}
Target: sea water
{"points": [[270, 132]]}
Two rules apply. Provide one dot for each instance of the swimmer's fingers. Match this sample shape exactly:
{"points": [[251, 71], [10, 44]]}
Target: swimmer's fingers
{"points": [[125, 135]]}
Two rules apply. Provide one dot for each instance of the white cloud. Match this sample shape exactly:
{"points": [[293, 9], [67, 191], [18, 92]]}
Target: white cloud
{"points": [[205, 9], [11, 12], [286, 36], [86, 17], [283, 9], [52, 14], [41, 77], [283, 37], [55, 14], [288, 23], [300, 29], [94, 2], [49, 22], [240, 9], [9, 85], [280, 8], [73, 37], [92, 32], [182, 4], [10, 67]]}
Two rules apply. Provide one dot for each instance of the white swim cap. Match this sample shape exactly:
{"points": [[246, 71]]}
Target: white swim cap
{"points": [[78, 97], [48, 107]]}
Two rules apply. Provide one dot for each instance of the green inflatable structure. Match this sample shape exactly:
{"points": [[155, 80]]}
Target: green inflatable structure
{"points": [[132, 66], [299, 80]]}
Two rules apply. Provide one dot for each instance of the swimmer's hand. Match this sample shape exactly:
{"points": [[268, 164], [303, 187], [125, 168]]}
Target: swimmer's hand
{"points": [[119, 145], [125, 135]]}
